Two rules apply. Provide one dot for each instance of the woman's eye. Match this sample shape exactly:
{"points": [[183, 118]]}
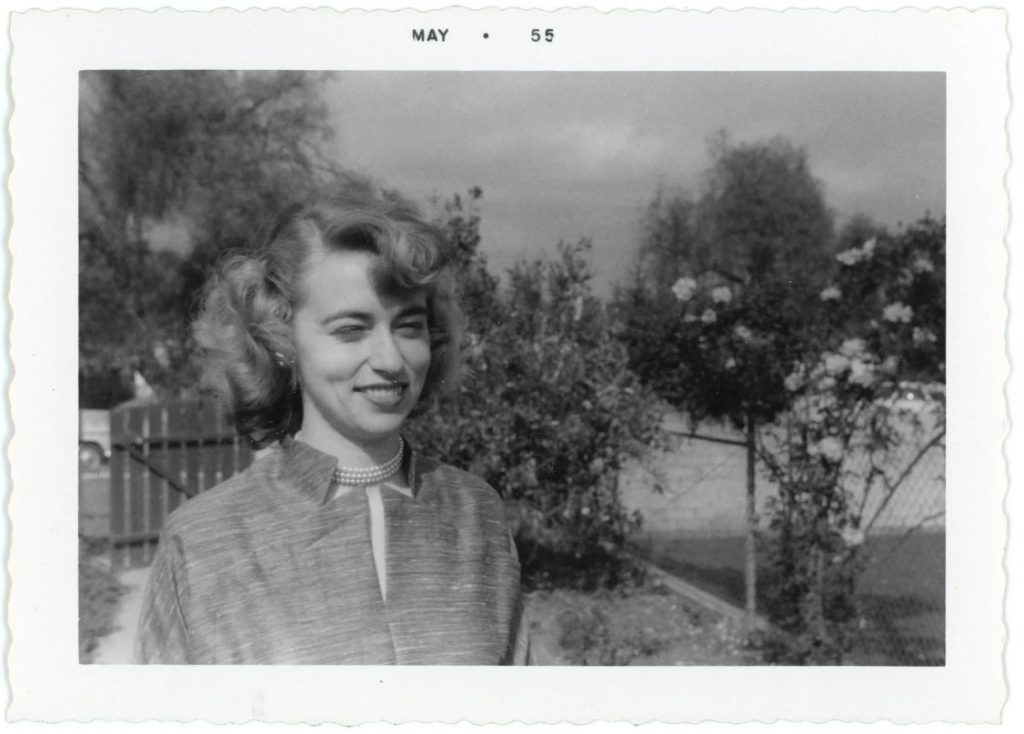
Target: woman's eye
{"points": [[351, 331], [412, 327]]}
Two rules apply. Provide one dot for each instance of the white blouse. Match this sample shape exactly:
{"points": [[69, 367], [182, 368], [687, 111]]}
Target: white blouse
{"points": [[378, 535]]}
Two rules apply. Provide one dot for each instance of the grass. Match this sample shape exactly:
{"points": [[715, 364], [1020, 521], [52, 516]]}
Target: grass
{"points": [[99, 594]]}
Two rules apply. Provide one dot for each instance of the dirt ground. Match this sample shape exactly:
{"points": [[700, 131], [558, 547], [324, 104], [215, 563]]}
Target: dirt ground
{"points": [[648, 626], [116, 648]]}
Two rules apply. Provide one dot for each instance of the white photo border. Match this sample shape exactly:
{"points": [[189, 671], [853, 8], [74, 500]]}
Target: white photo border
{"points": [[50, 49]]}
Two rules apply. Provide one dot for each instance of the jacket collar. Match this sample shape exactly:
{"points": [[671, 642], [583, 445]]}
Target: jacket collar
{"points": [[309, 470]]}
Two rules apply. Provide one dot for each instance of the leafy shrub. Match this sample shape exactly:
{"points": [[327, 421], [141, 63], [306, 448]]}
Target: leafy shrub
{"points": [[549, 410]]}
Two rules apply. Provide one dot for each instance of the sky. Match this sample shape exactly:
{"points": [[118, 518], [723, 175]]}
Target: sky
{"points": [[566, 155]]}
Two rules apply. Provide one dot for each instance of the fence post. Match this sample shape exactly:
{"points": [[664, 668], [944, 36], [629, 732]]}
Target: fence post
{"points": [[751, 549]]}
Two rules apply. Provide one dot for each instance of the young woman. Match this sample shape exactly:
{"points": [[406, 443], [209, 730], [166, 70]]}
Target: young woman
{"points": [[344, 546]]}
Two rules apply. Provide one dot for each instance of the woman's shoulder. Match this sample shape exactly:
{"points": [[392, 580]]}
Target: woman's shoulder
{"points": [[429, 469], [235, 497], [443, 478]]}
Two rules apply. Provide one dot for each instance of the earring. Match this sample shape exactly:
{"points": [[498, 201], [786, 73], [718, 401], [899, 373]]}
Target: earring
{"points": [[281, 360]]}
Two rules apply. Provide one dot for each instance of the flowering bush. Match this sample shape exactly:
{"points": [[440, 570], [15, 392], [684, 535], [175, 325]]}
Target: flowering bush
{"points": [[816, 367], [838, 445]]}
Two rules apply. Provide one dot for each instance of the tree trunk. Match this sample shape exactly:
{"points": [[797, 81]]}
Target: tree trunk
{"points": [[751, 565]]}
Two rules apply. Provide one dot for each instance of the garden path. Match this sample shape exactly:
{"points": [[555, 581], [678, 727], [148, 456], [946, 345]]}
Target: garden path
{"points": [[116, 648]]}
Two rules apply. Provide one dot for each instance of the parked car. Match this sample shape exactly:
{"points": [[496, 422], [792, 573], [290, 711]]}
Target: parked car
{"points": [[93, 438]]}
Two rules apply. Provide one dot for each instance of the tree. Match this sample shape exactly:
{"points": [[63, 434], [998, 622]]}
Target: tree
{"points": [[200, 157], [762, 212], [752, 252], [670, 247]]}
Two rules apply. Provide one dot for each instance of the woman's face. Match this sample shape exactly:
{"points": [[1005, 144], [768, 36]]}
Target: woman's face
{"points": [[362, 355]]}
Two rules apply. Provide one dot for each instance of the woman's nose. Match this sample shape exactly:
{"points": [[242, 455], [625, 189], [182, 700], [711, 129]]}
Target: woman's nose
{"points": [[385, 356]]}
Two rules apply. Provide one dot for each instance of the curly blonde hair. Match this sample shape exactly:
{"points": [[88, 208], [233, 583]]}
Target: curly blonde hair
{"points": [[243, 330]]}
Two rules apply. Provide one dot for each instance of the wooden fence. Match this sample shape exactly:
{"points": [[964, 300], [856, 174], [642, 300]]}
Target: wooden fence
{"points": [[161, 455]]}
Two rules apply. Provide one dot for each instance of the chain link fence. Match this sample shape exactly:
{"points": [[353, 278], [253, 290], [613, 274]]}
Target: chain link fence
{"points": [[695, 529], [902, 592]]}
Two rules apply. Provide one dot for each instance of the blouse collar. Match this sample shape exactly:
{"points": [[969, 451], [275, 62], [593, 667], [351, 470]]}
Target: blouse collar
{"points": [[309, 470]]}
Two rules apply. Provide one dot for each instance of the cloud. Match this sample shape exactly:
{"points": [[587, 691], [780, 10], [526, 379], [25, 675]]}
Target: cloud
{"points": [[564, 155]]}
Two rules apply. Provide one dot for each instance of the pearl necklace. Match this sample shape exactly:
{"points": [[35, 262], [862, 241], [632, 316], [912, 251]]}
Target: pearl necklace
{"points": [[373, 475]]}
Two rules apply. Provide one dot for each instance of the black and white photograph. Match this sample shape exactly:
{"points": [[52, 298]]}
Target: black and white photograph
{"points": [[698, 377], [538, 366]]}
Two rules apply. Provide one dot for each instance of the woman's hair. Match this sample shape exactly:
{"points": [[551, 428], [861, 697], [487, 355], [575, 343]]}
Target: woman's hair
{"points": [[243, 330]]}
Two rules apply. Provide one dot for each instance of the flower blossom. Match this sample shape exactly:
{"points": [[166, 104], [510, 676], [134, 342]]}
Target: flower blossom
{"points": [[684, 289], [852, 536], [721, 295], [922, 265], [849, 257], [830, 447], [730, 364], [832, 293], [744, 333], [923, 336], [897, 312], [794, 381], [835, 363], [852, 347], [709, 316], [856, 254], [862, 373]]}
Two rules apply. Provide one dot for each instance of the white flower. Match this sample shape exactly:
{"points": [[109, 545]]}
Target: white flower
{"points": [[922, 336], [585, 511], [709, 316], [743, 333], [830, 447], [922, 265], [793, 382], [684, 289], [853, 537], [832, 293], [849, 257], [891, 364], [826, 383], [835, 363], [856, 254], [862, 373], [730, 364], [852, 347], [721, 295], [897, 312]]}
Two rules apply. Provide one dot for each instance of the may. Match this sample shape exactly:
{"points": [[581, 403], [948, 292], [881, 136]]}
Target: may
{"points": [[420, 34]]}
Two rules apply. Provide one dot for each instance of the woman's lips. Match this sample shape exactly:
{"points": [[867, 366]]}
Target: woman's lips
{"points": [[386, 396]]}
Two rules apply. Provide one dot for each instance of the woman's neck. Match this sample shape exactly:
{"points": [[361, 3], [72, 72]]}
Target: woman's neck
{"points": [[349, 453]]}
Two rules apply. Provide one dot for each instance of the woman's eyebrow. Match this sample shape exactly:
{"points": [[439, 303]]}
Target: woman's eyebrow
{"points": [[347, 314], [414, 310]]}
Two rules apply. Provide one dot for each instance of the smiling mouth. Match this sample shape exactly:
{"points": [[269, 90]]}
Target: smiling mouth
{"points": [[384, 394]]}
